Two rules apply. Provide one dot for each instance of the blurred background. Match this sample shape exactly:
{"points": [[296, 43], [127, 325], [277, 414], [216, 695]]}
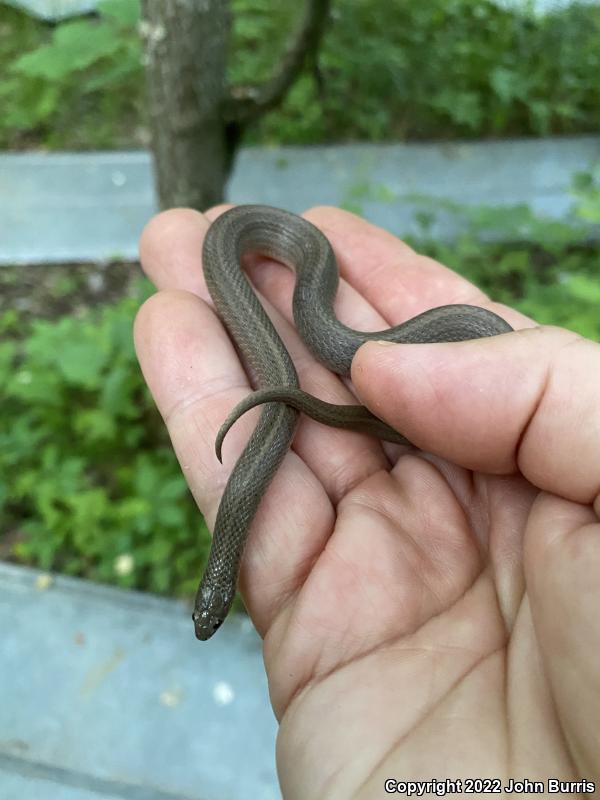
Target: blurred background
{"points": [[468, 127]]}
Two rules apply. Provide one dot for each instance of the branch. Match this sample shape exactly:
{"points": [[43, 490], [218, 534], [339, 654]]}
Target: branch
{"points": [[246, 103]]}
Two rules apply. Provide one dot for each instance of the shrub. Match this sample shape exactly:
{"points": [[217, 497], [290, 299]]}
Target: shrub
{"points": [[443, 69], [90, 485]]}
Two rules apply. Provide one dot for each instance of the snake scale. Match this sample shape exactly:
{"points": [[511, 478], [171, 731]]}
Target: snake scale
{"points": [[298, 244]]}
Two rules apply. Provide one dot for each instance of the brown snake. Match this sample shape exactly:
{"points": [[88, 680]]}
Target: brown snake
{"points": [[297, 243]]}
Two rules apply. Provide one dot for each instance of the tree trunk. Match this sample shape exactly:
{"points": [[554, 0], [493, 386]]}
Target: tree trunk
{"points": [[186, 50]]}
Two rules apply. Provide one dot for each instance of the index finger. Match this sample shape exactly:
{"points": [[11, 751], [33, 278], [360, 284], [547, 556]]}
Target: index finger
{"points": [[396, 280]]}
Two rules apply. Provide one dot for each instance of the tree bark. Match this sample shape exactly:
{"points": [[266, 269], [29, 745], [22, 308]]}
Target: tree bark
{"points": [[247, 103], [186, 51], [196, 120]]}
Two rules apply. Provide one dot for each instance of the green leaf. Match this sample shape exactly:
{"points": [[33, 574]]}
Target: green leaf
{"points": [[115, 393], [95, 424], [126, 12], [507, 83], [171, 516], [586, 289], [82, 362], [75, 46], [35, 386]]}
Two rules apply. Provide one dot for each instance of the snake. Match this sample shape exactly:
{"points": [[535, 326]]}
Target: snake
{"points": [[296, 243]]}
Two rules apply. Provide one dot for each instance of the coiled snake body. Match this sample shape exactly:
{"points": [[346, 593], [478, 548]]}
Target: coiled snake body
{"points": [[297, 243]]}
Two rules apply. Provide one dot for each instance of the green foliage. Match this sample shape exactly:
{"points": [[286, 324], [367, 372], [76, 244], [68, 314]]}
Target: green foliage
{"points": [[586, 190], [547, 273], [89, 484], [439, 69], [442, 69], [74, 47], [57, 90]]}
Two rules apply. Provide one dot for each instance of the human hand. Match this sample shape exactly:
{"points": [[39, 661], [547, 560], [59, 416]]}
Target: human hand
{"points": [[423, 615]]}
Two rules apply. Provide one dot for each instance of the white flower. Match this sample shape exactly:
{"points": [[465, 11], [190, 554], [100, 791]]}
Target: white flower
{"points": [[124, 564]]}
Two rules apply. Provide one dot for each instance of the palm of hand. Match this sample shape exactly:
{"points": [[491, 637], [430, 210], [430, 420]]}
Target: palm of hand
{"points": [[420, 619], [411, 644]]}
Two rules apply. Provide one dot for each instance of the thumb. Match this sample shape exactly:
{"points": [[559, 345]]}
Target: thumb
{"points": [[526, 400]]}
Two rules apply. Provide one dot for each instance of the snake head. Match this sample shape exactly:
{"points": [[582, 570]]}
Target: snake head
{"points": [[212, 606]]}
